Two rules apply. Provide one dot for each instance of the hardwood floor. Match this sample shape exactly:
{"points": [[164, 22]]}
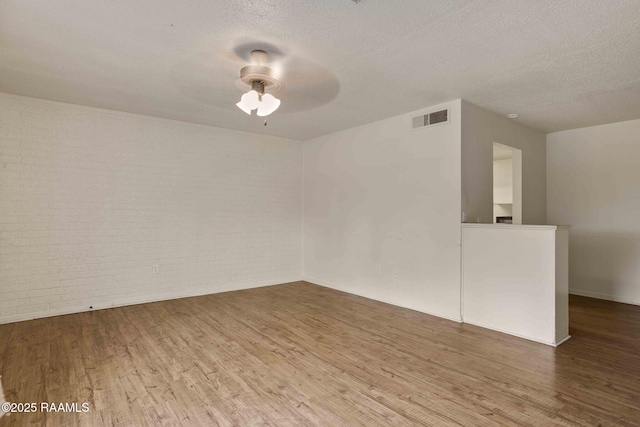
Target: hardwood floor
{"points": [[299, 354]]}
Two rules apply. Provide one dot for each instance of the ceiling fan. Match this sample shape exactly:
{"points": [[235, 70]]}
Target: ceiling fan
{"points": [[261, 79], [300, 83]]}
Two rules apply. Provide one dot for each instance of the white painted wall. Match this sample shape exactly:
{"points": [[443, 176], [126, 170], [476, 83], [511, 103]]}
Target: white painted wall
{"points": [[90, 199], [480, 129], [503, 181], [594, 185], [502, 188], [382, 199], [514, 280]]}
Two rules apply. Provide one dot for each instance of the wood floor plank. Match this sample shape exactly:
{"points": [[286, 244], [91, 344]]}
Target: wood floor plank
{"points": [[303, 355]]}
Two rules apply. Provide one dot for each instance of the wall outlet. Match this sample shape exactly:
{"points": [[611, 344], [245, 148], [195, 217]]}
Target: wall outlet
{"points": [[378, 269], [396, 275], [154, 268]]}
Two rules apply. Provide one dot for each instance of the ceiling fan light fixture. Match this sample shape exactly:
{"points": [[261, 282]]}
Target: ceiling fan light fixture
{"points": [[268, 105], [249, 101], [260, 78]]}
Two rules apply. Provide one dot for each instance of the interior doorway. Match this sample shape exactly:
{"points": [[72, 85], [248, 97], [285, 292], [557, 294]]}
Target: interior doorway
{"points": [[507, 184]]}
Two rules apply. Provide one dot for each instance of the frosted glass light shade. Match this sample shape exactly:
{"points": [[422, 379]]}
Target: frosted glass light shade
{"points": [[265, 104], [268, 105], [249, 102]]}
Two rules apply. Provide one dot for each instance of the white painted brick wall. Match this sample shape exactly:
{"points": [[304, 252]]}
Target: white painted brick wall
{"points": [[90, 199]]}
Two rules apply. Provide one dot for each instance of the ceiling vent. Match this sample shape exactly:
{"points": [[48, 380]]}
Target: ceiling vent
{"points": [[429, 119]]}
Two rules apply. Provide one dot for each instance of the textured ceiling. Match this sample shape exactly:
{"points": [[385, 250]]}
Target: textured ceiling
{"points": [[558, 64]]}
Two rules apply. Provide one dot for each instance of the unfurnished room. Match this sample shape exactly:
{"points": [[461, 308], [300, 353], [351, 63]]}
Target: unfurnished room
{"points": [[320, 213]]}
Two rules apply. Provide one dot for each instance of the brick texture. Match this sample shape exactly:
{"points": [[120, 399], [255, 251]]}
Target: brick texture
{"points": [[91, 199]]}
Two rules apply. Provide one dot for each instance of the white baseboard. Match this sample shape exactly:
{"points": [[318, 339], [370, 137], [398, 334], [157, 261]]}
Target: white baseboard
{"points": [[155, 298], [607, 297], [562, 340], [320, 282], [502, 331]]}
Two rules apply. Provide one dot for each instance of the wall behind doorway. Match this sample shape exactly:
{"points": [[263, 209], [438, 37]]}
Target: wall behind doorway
{"points": [[480, 129]]}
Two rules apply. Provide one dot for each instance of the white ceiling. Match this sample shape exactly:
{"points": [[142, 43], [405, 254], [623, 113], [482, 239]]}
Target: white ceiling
{"points": [[558, 64]]}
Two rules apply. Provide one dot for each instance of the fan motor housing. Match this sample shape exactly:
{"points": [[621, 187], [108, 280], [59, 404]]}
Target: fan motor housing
{"points": [[252, 73]]}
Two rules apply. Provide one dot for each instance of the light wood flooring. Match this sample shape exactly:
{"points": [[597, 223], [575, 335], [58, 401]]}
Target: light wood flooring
{"points": [[299, 354]]}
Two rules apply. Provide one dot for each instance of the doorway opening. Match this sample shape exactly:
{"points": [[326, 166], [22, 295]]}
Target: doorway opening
{"points": [[507, 184]]}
